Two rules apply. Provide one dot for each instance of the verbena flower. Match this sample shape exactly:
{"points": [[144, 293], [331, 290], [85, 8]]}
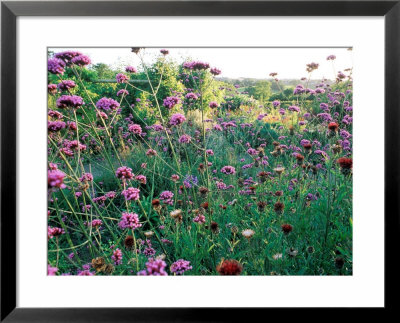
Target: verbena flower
{"points": [[131, 194], [56, 66], [177, 119], [180, 266], [69, 101], [107, 104], [129, 221]]}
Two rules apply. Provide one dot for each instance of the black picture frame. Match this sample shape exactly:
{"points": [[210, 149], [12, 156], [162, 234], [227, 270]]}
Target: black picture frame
{"points": [[10, 10]]}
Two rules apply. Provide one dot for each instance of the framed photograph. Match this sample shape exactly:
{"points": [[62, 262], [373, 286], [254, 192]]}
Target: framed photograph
{"points": [[247, 152]]}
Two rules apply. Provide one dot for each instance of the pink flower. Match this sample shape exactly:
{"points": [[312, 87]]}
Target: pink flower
{"points": [[166, 197], [124, 173], [229, 170], [121, 78], [135, 129], [141, 178], [129, 220], [180, 266], [55, 178], [51, 271], [117, 256], [131, 194], [177, 119]]}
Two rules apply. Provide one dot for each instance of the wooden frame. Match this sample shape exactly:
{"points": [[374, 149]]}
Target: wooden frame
{"points": [[10, 10]]}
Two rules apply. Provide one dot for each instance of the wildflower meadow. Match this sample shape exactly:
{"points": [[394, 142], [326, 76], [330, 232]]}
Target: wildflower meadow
{"points": [[168, 167]]}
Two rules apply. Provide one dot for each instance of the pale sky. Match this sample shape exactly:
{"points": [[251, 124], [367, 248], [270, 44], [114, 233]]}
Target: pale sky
{"points": [[237, 62]]}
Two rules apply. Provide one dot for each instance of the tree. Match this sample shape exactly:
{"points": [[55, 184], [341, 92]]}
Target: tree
{"points": [[261, 91]]}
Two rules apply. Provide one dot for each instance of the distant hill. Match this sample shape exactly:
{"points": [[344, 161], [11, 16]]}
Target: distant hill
{"points": [[284, 83]]}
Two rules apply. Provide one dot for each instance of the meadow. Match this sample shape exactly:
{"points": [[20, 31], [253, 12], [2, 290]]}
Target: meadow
{"points": [[170, 170]]}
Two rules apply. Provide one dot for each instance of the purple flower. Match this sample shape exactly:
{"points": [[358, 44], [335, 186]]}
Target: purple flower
{"points": [[73, 101], [121, 78], [325, 116], [122, 92], [213, 105], [170, 102], [154, 267], [344, 134], [52, 88], [51, 271], [131, 193], [130, 69], [228, 170], [135, 129], [276, 103], [66, 85], [129, 221], [215, 71], [294, 108], [81, 60], [189, 180], [166, 197], [86, 177], [191, 96], [56, 66], [184, 139], [164, 51], [54, 126], [124, 173], [177, 119], [180, 266], [55, 178], [107, 104], [196, 65], [67, 56], [117, 256]]}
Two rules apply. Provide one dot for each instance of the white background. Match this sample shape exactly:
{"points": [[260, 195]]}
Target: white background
{"points": [[364, 288]]}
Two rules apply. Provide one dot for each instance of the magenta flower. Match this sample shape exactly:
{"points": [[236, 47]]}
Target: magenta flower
{"points": [[55, 178], [170, 101], [107, 104], [121, 78], [213, 105], [124, 173], [54, 232], [129, 221], [177, 119], [131, 194], [73, 101], [191, 96], [56, 66], [81, 60], [117, 256], [180, 266], [215, 71], [130, 69], [167, 197], [122, 92], [67, 56], [141, 178], [135, 129], [184, 139], [228, 170], [154, 267], [196, 65], [54, 126], [51, 271], [86, 177]]}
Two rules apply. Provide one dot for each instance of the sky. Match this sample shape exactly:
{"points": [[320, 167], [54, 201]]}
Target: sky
{"points": [[237, 62]]}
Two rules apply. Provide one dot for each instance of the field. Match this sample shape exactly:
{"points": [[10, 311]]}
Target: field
{"points": [[166, 169]]}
